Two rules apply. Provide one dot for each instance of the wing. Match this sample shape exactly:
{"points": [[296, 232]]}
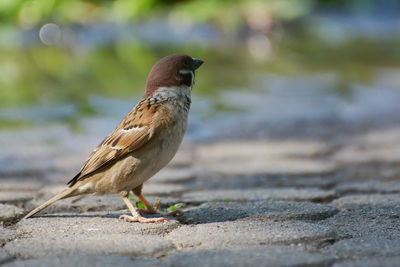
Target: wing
{"points": [[131, 134]]}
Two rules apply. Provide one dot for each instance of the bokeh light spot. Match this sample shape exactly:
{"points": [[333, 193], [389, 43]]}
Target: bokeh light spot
{"points": [[50, 34]]}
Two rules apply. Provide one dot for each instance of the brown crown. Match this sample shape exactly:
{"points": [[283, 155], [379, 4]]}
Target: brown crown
{"points": [[165, 72]]}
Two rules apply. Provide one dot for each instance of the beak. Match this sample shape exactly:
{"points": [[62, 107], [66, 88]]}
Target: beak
{"points": [[196, 63]]}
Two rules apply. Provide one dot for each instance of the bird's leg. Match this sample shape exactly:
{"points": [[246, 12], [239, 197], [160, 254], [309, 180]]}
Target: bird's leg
{"points": [[149, 208], [136, 217]]}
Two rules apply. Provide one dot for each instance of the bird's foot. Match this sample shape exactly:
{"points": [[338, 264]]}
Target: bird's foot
{"points": [[141, 219]]}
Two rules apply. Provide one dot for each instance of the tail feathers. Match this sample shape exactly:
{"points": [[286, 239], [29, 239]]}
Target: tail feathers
{"points": [[63, 194]]}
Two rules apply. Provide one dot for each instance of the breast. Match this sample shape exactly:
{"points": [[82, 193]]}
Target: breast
{"points": [[170, 140], [166, 144]]}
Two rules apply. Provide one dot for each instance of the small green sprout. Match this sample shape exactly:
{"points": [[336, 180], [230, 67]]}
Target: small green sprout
{"points": [[175, 207], [139, 204]]}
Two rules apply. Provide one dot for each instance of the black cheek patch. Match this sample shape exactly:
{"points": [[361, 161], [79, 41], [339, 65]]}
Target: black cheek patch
{"points": [[186, 79]]}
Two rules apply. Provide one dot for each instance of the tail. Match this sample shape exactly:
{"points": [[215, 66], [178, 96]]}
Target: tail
{"points": [[63, 194]]}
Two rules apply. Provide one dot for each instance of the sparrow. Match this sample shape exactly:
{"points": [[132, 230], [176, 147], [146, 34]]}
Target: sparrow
{"points": [[143, 143]]}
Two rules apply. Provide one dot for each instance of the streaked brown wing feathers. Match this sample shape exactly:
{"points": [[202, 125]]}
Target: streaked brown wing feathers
{"points": [[131, 134]]}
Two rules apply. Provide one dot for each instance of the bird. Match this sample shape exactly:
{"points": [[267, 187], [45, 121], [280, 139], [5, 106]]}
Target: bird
{"points": [[144, 141]]}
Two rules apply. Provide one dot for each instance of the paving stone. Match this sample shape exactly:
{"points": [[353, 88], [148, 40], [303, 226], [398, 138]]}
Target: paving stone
{"points": [[214, 181], [262, 157], [79, 260], [249, 256], [90, 203], [35, 151], [249, 232], [366, 230], [75, 204], [163, 189], [28, 159], [369, 187], [366, 172], [373, 146], [112, 244], [90, 222], [260, 149], [370, 262], [6, 234], [89, 234], [70, 163], [59, 176], [275, 210], [14, 197], [19, 184], [169, 175], [366, 221], [9, 212], [50, 190], [183, 158], [354, 201], [362, 154], [259, 194], [261, 166], [366, 246]]}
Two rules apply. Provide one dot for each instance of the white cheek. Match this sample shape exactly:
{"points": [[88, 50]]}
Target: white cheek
{"points": [[185, 71]]}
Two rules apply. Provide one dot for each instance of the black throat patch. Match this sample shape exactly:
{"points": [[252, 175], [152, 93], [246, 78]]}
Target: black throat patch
{"points": [[186, 79]]}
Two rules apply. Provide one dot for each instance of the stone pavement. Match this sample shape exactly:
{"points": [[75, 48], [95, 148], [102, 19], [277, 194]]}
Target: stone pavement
{"points": [[276, 202]]}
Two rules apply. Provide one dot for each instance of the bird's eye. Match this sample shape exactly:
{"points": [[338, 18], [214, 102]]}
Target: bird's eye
{"points": [[186, 62]]}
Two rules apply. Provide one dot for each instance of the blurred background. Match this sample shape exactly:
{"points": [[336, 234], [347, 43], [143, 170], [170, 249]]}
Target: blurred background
{"points": [[270, 65]]}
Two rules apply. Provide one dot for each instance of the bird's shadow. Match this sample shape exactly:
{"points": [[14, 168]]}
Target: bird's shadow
{"points": [[204, 215]]}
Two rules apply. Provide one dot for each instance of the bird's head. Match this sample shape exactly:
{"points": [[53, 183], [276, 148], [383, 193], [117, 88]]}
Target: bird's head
{"points": [[172, 71]]}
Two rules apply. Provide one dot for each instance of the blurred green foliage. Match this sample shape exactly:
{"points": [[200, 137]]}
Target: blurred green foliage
{"points": [[34, 74], [227, 14], [40, 75]]}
